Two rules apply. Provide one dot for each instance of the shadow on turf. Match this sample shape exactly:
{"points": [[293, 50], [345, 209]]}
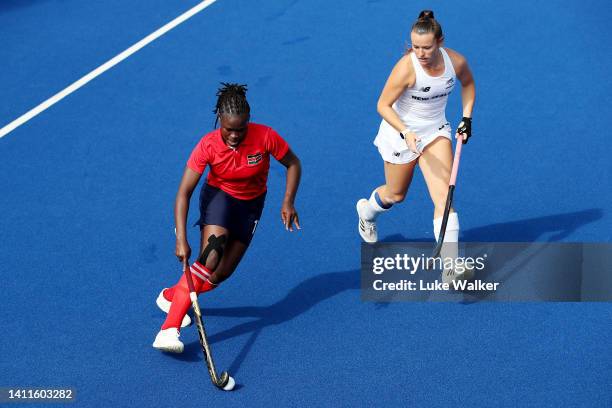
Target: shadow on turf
{"points": [[300, 299], [324, 286], [552, 228], [560, 226]]}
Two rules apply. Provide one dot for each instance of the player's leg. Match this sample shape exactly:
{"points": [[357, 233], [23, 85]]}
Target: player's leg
{"points": [[221, 249], [214, 240], [234, 251], [215, 210], [164, 301], [245, 218], [435, 163], [397, 181]]}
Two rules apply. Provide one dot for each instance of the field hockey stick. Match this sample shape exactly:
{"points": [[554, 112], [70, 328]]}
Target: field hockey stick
{"points": [[225, 382], [449, 198]]}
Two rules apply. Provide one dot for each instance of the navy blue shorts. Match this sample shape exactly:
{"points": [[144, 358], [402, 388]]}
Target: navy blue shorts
{"points": [[240, 217]]}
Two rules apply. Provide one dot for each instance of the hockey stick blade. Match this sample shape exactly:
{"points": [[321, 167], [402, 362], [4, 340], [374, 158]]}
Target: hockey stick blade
{"points": [[219, 382], [216, 380]]}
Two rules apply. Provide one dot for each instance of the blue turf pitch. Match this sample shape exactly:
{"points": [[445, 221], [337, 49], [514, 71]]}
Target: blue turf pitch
{"points": [[87, 190]]}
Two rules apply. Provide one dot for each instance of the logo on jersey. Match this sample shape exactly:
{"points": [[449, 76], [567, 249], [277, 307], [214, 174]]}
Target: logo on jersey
{"points": [[425, 89], [442, 127], [450, 83], [254, 159], [396, 154], [423, 98]]}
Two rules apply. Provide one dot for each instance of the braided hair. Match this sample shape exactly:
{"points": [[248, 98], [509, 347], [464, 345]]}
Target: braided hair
{"points": [[231, 100]]}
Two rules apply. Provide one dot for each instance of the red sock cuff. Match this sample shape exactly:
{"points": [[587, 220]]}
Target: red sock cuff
{"points": [[207, 286], [200, 272], [199, 276]]}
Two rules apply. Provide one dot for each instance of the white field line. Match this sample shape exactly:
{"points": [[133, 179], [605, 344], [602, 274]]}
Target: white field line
{"points": [[103, 68]]}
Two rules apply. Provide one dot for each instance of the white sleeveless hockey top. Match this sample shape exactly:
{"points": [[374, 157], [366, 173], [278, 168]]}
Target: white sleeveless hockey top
{"points": [[426, 100], [422, 107]]}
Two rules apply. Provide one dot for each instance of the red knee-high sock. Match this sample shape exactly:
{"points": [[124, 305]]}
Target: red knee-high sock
{"points": [[169, 293], [203, 271], [180, 294], [207, 286]]}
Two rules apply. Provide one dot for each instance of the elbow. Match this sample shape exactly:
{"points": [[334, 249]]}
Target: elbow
{"points": [[470, 85], [183, 194], [297, 164], [291, 160], [180, 199], [380, 106], [383, 107]]}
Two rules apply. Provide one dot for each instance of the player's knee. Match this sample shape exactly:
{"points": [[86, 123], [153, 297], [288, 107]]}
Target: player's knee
{"points": [[212, 261], [221, 274], [212, 252]]}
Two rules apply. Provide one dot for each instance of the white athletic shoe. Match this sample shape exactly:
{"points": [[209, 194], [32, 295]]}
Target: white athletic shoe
{"points": [[164, 305], [450, 275], [367, 228], [168, 341]]}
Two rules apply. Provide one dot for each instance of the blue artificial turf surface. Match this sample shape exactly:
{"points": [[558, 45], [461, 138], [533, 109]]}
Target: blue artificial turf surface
{"points": [[87, 190]]}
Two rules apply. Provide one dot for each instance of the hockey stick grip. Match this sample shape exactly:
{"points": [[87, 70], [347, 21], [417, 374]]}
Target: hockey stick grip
{"points": [[187, 272], [455, 169]]}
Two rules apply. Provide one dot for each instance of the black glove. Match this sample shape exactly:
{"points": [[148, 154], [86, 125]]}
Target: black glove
{"points": [[465, 128]]}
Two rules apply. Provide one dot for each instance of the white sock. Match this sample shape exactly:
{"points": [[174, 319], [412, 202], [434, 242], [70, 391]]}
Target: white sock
{"points": [[373, 209], [450, 248]]}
